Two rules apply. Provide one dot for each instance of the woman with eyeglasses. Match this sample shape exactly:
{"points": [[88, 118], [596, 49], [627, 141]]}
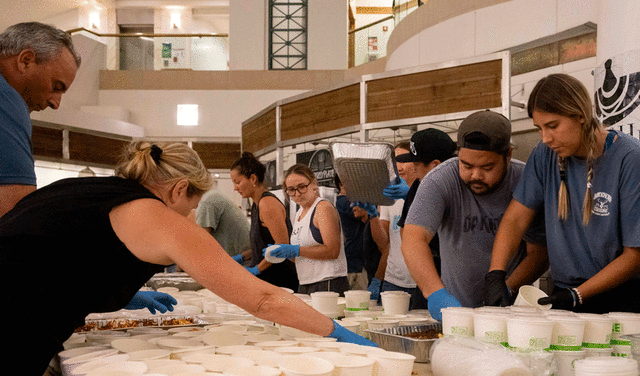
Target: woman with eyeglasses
{"points": [[316, 239], [269, 223]]}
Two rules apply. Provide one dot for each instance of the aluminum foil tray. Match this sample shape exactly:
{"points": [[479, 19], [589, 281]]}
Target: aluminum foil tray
{"points": [[392, 339], [181, 281], [365, 169]]}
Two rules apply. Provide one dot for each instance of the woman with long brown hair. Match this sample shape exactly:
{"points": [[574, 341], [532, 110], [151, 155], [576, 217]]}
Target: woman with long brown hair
{"points": [[586, 180], [269, 223]]}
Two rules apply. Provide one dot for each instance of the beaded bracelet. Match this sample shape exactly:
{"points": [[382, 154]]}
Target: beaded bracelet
{"points": [[578, 295]]}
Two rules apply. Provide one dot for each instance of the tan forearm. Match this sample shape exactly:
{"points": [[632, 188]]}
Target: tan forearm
{"points": [[382, 265], [419, 259], [512, 227], [535, 263], [621, 269], [11, 194]]}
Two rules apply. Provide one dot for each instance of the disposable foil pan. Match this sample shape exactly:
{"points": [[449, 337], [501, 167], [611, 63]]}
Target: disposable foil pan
{"points": [[393, 339], [365, 169], [181, 281]]}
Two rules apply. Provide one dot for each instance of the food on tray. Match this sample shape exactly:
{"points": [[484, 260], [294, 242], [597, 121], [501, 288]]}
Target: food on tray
{"points": [[429, 334]]}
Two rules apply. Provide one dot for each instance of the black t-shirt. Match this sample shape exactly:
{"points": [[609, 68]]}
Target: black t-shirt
{"points": [[283, 274], [62, 258], [435, 242]]}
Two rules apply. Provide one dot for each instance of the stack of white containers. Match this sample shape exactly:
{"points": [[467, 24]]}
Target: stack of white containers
{"points": [[528, 328], [236, 345]]}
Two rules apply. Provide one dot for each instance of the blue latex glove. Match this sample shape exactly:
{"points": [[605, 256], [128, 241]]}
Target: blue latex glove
{"points": [[253, 270], [284, 251], [374, 288], [238, 259], [346, 335], [439, 300], [397, 191], [371, 209], [152, 300]]}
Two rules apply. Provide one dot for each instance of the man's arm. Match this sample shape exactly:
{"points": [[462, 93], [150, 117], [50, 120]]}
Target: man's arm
{"points": [[419, 259], [12, 193]]}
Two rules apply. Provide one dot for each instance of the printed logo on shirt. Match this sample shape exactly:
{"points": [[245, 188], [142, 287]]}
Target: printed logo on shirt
{"points": [[601, 201], [484, 223], [396, 218]]}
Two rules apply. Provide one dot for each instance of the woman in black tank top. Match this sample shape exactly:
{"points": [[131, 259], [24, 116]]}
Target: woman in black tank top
{"points": [[270, 223]]}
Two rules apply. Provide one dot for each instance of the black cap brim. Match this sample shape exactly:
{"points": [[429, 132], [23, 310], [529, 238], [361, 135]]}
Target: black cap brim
{"points": [[406, 157]]}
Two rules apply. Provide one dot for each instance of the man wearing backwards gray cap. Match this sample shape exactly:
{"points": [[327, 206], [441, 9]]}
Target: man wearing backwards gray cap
{"points": [[463, 199]]}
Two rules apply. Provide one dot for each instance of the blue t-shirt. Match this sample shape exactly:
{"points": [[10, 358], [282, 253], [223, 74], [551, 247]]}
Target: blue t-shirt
{"points": [[577, 252], [16, 161]]}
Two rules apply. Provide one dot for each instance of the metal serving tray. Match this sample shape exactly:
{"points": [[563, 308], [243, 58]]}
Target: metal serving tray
{"points": [[365, 169], [392, 339]]}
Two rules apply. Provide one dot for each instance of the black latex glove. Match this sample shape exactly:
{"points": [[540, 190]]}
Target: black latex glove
{"points": [[563, 299], [497, 292]]}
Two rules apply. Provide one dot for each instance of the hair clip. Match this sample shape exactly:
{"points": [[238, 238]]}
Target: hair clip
{"points": [[155, 153]]}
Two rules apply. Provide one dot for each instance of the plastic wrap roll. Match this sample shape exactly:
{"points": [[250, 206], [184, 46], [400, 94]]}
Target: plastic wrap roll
{"points": [[453, 356]]}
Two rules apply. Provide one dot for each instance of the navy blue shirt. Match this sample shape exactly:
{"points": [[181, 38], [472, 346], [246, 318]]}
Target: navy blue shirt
{"points": [[353, 229], [16, 161]]}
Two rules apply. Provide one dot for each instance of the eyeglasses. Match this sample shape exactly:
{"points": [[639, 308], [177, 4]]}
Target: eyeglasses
{"points": [[302, 189]]}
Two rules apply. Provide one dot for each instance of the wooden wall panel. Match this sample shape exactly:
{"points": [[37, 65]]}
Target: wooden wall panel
{"points": [[321, 113], [260, 132], [95, 149], [217, 155], [46, 142], [449, 90]]}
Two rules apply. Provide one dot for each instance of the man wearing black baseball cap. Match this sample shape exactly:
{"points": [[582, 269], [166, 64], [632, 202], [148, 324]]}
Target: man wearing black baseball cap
{"points": [[463, 201]]}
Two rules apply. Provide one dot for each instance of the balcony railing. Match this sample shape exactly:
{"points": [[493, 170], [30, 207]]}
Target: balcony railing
{"points": [[148, 51]]}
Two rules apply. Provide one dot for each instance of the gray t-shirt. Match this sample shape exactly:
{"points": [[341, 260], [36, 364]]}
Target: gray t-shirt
{"points": [[230, 227], [466, 224]]}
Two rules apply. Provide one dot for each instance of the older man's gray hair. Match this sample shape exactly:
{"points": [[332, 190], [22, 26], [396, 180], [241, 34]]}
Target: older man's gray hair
{"points": [[44, 40]]}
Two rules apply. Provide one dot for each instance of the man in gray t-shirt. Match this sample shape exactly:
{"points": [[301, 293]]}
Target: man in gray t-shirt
{"points": [[224, 221], [463, 200]]}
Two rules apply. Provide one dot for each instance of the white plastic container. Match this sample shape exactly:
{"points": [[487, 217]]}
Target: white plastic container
{"points": [[625, 323], [395, 302], [392, 363], [529, 333], [568, 333], [490, 326], [349, 365], [271, 259], [253, 371], [357, 300], [305, 366], [528, 296], [383, 324], [350, 324], [566, 360], [325, 301], [222, 364], [457, 321], [593, 352], [598, 330], [363, 324], [606, 366]]}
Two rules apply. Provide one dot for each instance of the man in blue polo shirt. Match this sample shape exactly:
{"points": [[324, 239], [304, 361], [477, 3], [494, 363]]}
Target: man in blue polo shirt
{"points": [[38, 63]]}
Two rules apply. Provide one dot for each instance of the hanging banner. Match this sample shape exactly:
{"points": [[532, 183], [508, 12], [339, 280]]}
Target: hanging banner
{"points": [[617, 93]]}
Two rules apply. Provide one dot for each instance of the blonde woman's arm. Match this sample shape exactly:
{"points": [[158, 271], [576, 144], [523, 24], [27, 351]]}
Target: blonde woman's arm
{"points": [[156, 234]]}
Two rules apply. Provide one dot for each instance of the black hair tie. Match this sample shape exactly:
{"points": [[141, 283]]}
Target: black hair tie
{"points": [[155, 153], [563, 175]]}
